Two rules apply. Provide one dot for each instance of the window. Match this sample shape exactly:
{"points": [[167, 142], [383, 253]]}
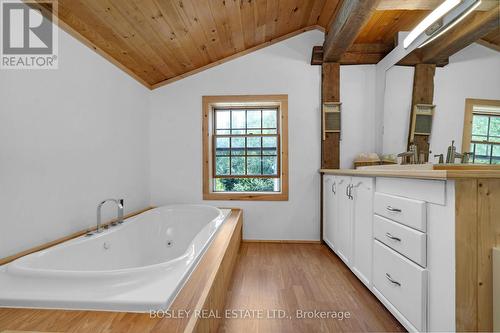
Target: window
{"points": [[482, 130], [245, 147]]}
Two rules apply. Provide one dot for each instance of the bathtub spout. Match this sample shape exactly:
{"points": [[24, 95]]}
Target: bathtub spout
{"points": [[119, 220]]}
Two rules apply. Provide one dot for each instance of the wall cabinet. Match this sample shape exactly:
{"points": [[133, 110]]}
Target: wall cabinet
{"points": [[348, 227]]}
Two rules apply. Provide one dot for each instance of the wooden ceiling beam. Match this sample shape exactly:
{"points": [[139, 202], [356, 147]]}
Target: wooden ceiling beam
{"points": [[350, 19], [357, 54], [488, 44]]}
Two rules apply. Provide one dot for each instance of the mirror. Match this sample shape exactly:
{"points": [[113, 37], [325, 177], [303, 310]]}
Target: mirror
{"points": [[465, 107]]}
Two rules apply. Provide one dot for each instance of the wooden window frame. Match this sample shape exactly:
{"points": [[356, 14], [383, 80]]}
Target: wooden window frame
{"points": [[468, 115], [209, 103]]}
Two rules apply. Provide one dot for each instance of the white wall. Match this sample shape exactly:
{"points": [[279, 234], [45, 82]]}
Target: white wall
{"points": [[74, 136], [68, 139], [474, 72], [283, 68], [176, 141]]}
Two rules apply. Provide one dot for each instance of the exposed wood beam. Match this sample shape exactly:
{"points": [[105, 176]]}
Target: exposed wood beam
{"points": [[463, 34], [357, 54], [488, 44], [350, 19], [317, 55], [415, 58]]}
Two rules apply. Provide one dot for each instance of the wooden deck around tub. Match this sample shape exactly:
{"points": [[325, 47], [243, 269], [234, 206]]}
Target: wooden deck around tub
{"points": [[206, 289]]}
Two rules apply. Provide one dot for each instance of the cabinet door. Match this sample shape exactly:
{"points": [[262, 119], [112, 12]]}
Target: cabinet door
{"points": [[329, 210], [362, 231], [343, 236]]}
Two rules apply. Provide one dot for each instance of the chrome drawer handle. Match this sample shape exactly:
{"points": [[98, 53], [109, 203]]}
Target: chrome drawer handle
{"points": [[392, 209], [392, 280], [388, 235]]}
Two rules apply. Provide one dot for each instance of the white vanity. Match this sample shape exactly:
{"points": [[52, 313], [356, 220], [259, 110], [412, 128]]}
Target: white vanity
{"points": [[396, 231]]}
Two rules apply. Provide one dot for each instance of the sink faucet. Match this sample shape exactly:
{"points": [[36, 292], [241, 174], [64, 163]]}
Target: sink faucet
{"points": [[119, 220], [412, 154], [452, 154]]}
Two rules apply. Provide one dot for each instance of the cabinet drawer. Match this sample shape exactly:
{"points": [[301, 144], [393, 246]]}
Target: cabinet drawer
{"points": [[407, 241], [403, 210], [402, 283]]}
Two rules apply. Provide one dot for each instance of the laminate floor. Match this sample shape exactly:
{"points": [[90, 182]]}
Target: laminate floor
{"points": [[274, 282]]}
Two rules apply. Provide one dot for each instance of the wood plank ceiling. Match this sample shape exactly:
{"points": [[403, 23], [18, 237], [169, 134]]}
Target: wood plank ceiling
{"points": [[160, 41]]}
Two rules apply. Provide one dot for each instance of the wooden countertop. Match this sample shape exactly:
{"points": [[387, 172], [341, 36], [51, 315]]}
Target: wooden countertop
{"points": [[436, 174]]}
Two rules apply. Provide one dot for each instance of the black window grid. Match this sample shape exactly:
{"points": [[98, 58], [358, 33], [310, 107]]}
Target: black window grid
{"points": [[490, 157], [245, 147]]}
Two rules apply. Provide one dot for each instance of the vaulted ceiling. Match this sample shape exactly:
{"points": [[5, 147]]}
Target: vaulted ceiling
{"points": [[160, 41]]}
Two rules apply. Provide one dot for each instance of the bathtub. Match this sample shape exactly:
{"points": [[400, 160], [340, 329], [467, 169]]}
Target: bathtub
{"points": [[137, 266]]}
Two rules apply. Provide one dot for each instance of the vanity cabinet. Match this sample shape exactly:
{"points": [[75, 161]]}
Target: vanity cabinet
{"points": [[347, 224], [330, 210], [421, 241]]}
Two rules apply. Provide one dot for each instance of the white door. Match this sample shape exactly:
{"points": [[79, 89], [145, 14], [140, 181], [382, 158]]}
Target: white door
{"points": [[343, 227], [362, 232], [329, 209]]}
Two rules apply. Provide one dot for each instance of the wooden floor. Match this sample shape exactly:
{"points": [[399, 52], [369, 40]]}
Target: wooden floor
{"points": [[293, 277]]}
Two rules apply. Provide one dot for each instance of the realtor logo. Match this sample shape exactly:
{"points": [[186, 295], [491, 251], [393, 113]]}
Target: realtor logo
{"points": [[29, 38]]}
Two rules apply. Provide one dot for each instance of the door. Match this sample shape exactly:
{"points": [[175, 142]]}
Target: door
{"points": [[329, 210], [362, 227], [342, 232]]}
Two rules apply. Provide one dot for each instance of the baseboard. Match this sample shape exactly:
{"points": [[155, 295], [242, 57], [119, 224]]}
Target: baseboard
{"points": [[287, 241]]}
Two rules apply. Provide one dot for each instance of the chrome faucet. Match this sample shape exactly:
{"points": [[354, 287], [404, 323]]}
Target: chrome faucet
{"points": [[412, 154], [119, 220]]}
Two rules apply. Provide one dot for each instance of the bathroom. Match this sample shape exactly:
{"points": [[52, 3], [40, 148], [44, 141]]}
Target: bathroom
{"points": [[190, 166]]}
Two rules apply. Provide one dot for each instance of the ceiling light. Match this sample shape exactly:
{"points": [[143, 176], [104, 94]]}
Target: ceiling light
{"points": [[452, 24], [436, 14]]}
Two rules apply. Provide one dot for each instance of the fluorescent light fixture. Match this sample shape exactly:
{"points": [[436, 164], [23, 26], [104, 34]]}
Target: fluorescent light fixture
{"points": [[452, 24], [436, 14]]}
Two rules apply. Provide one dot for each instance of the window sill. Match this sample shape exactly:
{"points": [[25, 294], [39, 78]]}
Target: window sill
{"points": [[246, 196]]}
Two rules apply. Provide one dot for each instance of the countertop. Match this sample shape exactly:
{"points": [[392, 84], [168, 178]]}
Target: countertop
{"points": [[439, 172]]}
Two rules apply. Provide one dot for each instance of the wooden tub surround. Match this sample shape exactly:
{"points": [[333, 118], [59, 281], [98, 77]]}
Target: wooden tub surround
{"points": [[205, 290]]}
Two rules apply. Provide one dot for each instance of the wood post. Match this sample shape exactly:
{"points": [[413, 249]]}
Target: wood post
{"points": [[330, 92], [423, 93]]}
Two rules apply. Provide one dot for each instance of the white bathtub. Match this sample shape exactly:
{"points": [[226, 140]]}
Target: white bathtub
{"points": [[137, 266]]}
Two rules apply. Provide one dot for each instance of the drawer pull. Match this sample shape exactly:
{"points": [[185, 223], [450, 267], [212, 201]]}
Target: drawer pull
{"points": [[392, 209], [388, 235], [392, 280]]}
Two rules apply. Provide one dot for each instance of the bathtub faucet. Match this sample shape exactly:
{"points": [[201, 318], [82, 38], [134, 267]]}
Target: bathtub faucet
{"points": [[119, 220]]}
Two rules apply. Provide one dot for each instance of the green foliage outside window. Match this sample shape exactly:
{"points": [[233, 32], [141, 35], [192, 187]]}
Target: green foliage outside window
{"points": [[486, 139]]}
